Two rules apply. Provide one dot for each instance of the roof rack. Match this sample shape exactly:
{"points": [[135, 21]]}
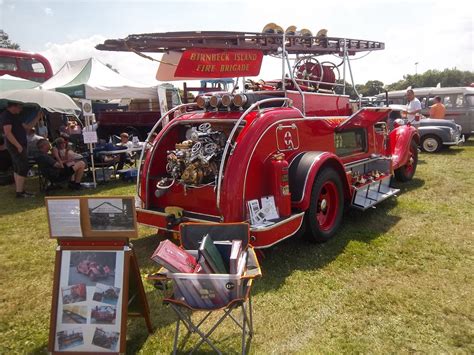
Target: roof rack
{"points": [[268, 43]]}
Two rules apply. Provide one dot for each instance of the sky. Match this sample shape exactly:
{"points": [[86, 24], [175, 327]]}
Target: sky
{"points": [[434, 34]]}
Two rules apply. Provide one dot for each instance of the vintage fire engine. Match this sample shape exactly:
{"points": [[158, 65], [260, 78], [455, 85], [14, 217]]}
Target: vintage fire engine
{"points": [[291, 143]]}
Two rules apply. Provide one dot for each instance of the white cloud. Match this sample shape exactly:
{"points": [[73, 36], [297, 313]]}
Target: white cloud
{"points": [[48, 11], [129, 65]]}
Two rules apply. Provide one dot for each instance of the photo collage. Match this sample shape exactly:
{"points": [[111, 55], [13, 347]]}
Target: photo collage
{"points": [[90, 301]]}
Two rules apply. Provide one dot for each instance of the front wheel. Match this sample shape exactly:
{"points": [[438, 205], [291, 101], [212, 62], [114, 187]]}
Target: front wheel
{"points": [[326, 208], [407, 171], [431, 144]]}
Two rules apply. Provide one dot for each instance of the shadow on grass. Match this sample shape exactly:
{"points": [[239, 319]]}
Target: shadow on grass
{"points": [[9, 204], [414, 184]]}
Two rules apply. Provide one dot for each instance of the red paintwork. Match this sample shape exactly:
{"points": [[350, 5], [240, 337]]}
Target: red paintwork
{"points": [[30, 75], [326, 215], [93, 269], [247, 172], [399, 148]]}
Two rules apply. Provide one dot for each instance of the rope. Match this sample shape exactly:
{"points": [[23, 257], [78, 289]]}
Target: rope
{"points": [[147, 56]]}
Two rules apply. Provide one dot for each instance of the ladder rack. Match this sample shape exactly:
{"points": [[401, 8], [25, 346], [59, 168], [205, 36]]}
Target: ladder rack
{"points": [[268, 43]]}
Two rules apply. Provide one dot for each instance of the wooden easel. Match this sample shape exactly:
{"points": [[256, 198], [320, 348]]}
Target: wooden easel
{"points": [[133, 293]]}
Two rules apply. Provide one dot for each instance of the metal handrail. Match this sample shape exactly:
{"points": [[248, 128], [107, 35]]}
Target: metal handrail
{"points": [[231, 135], [147, 142]]}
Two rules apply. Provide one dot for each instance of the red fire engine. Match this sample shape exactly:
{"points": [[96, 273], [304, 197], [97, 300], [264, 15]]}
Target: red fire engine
{"points": [[292, 143]]}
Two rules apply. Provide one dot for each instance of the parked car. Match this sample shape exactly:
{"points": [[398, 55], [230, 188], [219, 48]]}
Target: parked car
{"points": [[93, 269], [459, 103], [434, 133]]}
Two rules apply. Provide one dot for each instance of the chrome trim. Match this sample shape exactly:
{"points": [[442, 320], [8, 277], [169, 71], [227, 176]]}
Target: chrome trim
{"points": [[148, 143], [456, 142], [231, 135], [281, 239]]}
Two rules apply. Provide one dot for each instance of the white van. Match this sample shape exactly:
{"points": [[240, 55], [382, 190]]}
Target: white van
{"points": [[459, 103]]}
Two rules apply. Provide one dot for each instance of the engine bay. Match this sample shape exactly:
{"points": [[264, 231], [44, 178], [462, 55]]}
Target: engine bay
{"points": [[195, 160]]}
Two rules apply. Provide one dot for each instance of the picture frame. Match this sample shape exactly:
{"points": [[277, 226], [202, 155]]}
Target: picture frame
{"points": [[92, 217]]}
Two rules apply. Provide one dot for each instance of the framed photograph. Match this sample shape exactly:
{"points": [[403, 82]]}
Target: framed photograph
{"points": [[110, 216], [89, 309]]}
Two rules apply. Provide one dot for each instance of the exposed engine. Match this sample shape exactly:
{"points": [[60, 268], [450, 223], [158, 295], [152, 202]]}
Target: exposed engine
{"points": [[196, 160]]}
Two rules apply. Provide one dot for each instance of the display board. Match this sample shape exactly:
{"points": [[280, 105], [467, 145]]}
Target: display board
{"points": [[96, 274], [89, 306], [92, 217]]}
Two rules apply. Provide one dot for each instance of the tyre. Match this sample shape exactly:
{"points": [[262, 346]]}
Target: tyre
{"points": [[326, 208], [431, 143], [407, 171]]}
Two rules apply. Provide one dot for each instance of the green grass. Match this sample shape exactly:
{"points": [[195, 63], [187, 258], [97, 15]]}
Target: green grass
{"points": [[398, 278]]}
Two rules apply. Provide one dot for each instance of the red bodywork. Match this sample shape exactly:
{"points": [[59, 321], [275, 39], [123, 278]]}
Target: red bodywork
{"points": [[103, 314], [30, 66], [93, 269], [247, 174]]}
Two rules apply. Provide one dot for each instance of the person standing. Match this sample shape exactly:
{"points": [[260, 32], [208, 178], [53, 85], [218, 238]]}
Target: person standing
{"points": [[15, 135], [413, 108], [437, 110]]}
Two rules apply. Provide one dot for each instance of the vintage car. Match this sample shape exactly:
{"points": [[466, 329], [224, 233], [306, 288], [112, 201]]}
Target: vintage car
{"points": [[434, 133], [285, 155], [103, 314], [93, 269]]}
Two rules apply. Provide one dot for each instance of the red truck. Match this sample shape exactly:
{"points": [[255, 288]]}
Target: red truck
{"points": [[285, 155]]}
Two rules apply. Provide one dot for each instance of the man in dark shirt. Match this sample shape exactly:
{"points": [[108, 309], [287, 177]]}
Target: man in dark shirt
{"points": [[52, 169], [15, 135]]}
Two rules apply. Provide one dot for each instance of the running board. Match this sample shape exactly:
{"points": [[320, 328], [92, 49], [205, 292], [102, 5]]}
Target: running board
{"points": [[370, 194]]}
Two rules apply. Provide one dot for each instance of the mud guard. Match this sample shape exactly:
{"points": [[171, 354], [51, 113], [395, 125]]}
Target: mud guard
{"points": [[303, 170], [400, 139]]}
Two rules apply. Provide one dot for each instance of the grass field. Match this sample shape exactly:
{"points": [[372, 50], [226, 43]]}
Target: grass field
{"points": [[398, 278]]}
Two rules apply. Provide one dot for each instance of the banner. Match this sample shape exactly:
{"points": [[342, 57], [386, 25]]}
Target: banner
{"points": [[219, 63]]}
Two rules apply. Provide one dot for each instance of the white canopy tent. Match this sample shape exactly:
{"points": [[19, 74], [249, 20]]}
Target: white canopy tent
{"points": [[91, 79], [8, 82]]}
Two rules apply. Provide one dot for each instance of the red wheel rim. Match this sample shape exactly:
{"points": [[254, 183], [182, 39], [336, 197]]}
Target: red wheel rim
{"points": [[328, 202], [411, 162]]}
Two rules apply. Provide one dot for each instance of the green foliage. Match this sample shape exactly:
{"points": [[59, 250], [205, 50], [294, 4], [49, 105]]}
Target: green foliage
{"points": [[430, 78], [5, 42]]}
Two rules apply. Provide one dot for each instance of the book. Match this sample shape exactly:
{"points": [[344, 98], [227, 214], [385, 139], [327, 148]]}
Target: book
{"points": [[212, 255], [174, 258], [202, 267], [235, 252]]}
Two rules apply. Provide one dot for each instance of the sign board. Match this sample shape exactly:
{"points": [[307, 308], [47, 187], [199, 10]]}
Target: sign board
{"points": [[86, 107], [90, 136], [92, 217], [219, 63]]}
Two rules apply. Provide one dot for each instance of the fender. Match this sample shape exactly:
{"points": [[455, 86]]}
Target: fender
{"points": [[304, 169], [442, 132], [400, 140]]}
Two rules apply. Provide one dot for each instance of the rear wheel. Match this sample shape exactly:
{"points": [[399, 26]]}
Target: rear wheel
{"points": [[407, 171], [325, 211], [431, 143]]}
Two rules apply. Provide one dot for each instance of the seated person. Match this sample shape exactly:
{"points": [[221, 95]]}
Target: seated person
{"points": [[124, 157], [63, 154], [55, 171]]}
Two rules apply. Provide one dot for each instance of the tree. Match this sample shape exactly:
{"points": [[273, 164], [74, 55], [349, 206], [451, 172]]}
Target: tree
{"points": [[5, 42], [430, 78], [370, 88]]}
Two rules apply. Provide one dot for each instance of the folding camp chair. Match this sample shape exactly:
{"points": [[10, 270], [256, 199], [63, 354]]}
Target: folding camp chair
{"points": [[238, 287]]}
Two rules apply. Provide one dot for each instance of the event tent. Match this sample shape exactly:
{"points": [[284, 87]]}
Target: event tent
{"points": [[91, 79], [8, 82]]}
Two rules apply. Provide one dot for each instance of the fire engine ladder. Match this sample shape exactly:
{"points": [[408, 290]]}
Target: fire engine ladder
{"points": [[266, 42]]}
